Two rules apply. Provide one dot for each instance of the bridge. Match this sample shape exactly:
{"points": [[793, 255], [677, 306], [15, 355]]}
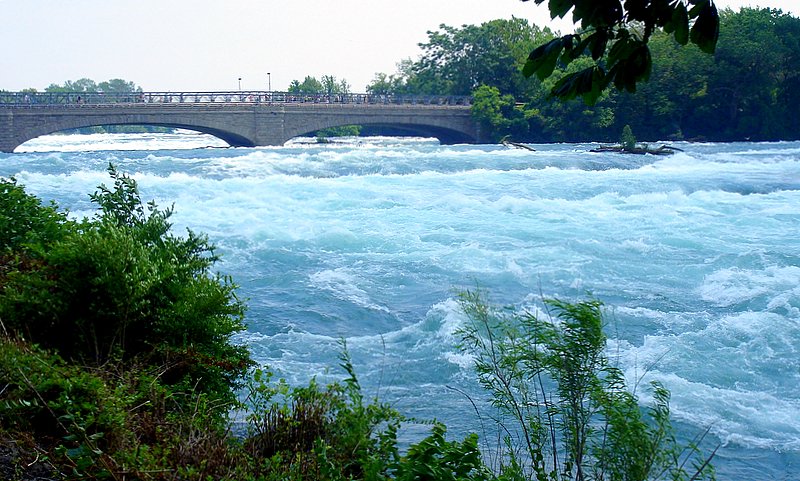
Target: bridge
{"points": [[240, 118]]}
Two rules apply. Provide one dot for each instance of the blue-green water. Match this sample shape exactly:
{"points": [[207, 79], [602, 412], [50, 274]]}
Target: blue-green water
{"points": [[697, 257]]}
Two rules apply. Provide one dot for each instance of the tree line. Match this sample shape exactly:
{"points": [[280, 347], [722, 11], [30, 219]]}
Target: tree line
{"points": [[87, 85], [746, 90]]}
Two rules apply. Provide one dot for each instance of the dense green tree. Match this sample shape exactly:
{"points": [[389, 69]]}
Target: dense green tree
{"points": [[86, 85], [331, 86], [118, 85], [752, 61], [742, 92], [328, 85], [663, 107], [498, 114], [80, 85], [383, 84], [310, 85], [493, 55], [90, 86], [787, 29], [455, 61], [566, 120]]}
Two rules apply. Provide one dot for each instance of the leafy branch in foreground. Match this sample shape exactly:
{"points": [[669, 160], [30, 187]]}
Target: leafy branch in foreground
{"points": [[566, 410], [615, 35]]}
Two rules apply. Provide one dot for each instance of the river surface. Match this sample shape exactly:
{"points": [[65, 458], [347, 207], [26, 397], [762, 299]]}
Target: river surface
{"points": [[696, 256]]}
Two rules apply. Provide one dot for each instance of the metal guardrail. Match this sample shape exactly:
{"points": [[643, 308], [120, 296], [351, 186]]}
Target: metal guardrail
{"points": [[62, 99]]}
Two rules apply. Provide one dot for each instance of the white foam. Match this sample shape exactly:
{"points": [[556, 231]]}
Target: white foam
{"points": [[99, 142], [749, 418], [734, 285], [343, 283]]}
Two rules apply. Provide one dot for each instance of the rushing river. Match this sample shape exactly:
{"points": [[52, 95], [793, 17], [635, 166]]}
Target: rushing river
{"points": [[696, 256]]}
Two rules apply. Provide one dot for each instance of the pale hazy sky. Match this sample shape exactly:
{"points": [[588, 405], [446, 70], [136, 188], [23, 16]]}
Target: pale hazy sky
{"points": [[182, 45]]}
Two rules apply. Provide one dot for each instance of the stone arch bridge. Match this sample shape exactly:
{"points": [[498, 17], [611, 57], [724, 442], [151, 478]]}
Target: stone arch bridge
{"points": [[242, 119]]}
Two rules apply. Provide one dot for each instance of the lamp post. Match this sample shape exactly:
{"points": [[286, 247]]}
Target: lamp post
{"points": [[240, 84], [269, 82]]}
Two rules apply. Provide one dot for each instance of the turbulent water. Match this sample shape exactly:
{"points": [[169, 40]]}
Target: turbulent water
{"points": [[696, 256]]}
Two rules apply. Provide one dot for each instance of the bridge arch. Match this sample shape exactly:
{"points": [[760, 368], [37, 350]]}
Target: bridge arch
{"points": [[232, 138], [449, 126], [444, 135]]}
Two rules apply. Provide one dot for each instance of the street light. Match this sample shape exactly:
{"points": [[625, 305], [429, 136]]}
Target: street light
{"points": [[240, 84], [269, 82]]}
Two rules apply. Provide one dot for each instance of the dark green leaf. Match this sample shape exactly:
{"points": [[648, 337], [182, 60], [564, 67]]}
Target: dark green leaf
{"points": [[559, 8], [621, 49], [599, 43], [698, 6], [680, 22], [705, 31], [641, 63], [662, 12], [565, 88], [637, 10], [587, 83], [578, 50], [542, 61]]}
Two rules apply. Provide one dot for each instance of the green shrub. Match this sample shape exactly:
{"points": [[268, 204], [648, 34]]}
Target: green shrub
{"points": [[627, 140], [114, 422], [575, 416], [498, 114], [76, 413], [121, 286], [24, 220], [436, 459], [315, 432], [332, 433]]}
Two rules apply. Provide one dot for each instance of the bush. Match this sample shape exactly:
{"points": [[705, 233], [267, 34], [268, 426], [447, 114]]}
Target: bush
{"points": [[436, 459], [575, 417], [109, 422], [121, 286], [627, 140], [325, 433], [73, 411], [24, 221]]}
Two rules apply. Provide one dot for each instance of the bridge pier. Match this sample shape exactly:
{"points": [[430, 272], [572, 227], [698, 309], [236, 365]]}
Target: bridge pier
{"points": [[7, 141], [268, 126]]}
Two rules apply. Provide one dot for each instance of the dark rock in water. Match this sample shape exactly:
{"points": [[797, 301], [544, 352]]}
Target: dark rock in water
{"points": [[517, 145], [663, 150]]}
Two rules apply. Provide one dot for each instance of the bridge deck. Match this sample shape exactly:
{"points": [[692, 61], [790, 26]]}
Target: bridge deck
{"points": [[239, 118], [12, 99]]}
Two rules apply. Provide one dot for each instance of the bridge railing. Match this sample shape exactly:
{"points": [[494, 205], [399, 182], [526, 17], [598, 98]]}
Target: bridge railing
{"points": [[44, 99]]}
